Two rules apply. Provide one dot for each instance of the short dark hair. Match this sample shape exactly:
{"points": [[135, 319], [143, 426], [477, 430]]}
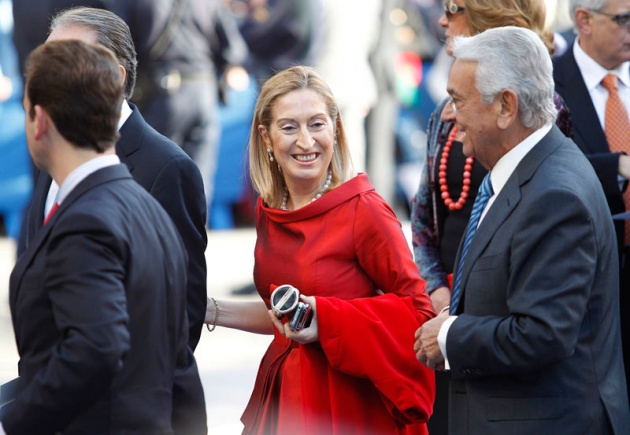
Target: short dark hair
{"points": [[80, 86], [110, 30]]}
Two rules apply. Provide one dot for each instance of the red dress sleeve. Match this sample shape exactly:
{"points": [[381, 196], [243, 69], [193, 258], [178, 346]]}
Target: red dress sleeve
{"points": [[384, 254], [373, 337]]}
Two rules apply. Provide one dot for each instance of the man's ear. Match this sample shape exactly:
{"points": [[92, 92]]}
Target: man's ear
{"points": [[42, 122], [508, 112], [123, 72], [583, 20]]}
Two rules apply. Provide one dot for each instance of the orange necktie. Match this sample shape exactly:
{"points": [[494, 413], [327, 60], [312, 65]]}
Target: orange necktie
{"points": [[617, 129]]}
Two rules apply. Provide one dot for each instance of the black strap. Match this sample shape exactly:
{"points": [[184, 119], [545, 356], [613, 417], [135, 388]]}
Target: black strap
{"points": [[165, 38]]}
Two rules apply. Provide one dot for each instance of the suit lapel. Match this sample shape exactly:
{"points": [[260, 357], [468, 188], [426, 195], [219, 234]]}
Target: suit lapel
{"points": [[38, 204], [570, 85], [507, 200]]}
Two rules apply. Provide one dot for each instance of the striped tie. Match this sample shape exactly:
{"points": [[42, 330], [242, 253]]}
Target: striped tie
{"points": [[485, 192]]}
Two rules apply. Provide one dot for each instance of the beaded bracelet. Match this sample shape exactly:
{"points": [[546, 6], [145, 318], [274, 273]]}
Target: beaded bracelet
{"points": [[216, 315]]}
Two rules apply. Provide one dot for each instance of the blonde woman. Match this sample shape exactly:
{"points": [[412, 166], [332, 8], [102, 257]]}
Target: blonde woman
{"points": [[325, 231]]}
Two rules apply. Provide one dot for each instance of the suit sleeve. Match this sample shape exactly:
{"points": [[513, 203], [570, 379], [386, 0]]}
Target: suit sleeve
{"points": [[552, 262], [84, 282], [179, 189]]}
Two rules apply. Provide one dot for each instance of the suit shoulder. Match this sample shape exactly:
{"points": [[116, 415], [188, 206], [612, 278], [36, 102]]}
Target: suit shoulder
{"points": [[160, 147], [139, 140], [150, 155]]}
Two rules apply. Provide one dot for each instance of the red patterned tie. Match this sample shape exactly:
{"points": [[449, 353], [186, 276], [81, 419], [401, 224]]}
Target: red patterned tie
{"points": [[617, 128], [52, 211]]}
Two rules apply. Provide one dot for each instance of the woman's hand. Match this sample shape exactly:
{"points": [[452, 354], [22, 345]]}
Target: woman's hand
{"points": [[306, 335], [440, 298]]}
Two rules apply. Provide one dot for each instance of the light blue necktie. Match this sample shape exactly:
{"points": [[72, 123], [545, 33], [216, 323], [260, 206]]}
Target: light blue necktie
{"points": [[485, 192]]}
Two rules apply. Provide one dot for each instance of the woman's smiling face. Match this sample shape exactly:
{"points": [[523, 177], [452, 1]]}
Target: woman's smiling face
{"points": [[301, 138]]}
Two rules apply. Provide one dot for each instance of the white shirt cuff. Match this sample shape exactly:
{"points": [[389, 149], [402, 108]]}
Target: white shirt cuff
{"points": [[441, 338]]}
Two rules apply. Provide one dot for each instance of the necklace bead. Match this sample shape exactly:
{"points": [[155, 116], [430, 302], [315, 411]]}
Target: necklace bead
{"points": [[319, 194], [446, 196]]}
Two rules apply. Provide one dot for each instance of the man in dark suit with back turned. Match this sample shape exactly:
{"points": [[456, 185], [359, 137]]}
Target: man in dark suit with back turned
{"points": [[532, 340], [602, 48], [97, 299], [156, 163], [163, 169]]}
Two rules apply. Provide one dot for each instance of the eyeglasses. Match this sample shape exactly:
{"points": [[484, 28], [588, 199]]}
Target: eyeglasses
{"points": [[622, 20], [451, 9]]}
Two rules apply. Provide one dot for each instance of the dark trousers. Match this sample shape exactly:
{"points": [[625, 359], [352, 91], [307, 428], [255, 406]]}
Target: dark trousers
{"points": [[438, 423], [190, 118], [624, 309]]}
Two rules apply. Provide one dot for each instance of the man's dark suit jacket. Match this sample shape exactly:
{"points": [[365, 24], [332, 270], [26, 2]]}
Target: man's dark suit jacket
{"points": [[588, 133], [536, 346], [99, 314], [171, 177]]}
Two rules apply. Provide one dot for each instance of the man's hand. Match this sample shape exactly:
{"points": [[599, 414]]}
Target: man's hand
{"points": [[427, 349], [624, 166]]}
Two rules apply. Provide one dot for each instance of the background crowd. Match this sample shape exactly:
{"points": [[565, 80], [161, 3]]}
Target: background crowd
{"points": [[392, 53]]}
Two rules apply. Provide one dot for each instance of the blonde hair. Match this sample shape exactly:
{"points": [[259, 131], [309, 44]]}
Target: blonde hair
{"points": [[529, 14], [267, 179]]}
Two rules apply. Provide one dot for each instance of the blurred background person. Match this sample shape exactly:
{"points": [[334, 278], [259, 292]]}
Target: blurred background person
{"points": [[184, 49], [442, 205], [279, 33], [585, 76], [323, 229], [351, 32]]}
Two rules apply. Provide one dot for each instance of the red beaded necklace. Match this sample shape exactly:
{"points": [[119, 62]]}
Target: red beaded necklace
{"points": [[452, 205]]}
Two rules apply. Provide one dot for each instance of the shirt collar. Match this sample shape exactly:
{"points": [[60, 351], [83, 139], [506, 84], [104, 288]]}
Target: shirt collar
{"points": [[125, 113], [508, 163], [81, 172]]}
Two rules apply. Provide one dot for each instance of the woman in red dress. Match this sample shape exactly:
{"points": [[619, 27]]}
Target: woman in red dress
{"points": [[325, 231]]}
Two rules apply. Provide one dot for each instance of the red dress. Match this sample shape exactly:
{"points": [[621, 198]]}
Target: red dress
{"points": [[362, 377]]}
